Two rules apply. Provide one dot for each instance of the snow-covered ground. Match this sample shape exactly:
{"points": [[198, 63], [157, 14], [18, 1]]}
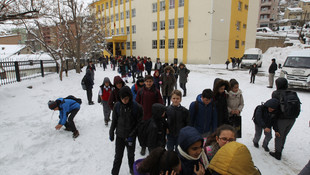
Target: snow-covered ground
{"points": [[30, 145]]}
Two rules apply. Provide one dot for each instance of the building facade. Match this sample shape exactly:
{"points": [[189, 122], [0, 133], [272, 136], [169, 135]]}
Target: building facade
{"points": [[268, 13], [197, 32]]}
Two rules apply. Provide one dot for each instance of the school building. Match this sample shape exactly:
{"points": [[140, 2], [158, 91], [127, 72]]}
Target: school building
{"points": [[195, 32]]}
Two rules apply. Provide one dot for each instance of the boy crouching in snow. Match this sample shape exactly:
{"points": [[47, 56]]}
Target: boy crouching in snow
{"points": [[67, 108], [126, 118]]}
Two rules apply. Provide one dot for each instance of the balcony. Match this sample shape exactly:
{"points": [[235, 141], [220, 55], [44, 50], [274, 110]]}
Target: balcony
{"points": [[264, 20], [266, 3], [262, 12]]}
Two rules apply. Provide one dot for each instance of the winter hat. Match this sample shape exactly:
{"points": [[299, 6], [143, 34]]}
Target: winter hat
{"points": [[148, 77], [272, 103], [52, 104], [125, 92], [281, 83]]}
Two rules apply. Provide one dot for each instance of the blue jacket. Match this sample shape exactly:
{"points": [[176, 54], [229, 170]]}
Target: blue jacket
{"points": [[188, 136], [205, 119], [65, 107]]}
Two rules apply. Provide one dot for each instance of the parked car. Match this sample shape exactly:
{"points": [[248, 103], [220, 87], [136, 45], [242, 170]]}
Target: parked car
{"points": [[251, 56], [296, 69]]}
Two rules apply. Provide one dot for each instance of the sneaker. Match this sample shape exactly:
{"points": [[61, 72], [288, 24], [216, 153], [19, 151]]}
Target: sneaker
{"points": [[276, 155], [269, 86], [75, 134], [256, 145], [91, 103], [143, 151], [266, 148]]}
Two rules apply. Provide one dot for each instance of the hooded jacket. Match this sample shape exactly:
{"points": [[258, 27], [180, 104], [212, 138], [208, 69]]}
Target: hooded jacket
{"points": [[265, 119], [220, 100], [105, 92], [126, 117], [235, 101], [177, 118], [65, 107], [156, 79], [157, 128], [147, 97], [88, 80], [234, 159], [135, 88], [183, 73], [168, 81], [114, 97], [282, 85], [188, 136], [205, 119]]}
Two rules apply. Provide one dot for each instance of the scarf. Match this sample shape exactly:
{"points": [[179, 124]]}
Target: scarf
{"points": [[202, 155]]}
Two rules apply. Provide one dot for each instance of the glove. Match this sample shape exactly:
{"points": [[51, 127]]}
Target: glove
{"points": [[111, 138], [129, 141]]}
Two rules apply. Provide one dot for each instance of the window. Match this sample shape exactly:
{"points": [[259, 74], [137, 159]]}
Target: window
{"points": [[246, 7], [238, 25], [98, 8], [133, 12], [102, 7], [154, 26], [112, 18], [116, 17], [162, 25], [154, 44], [171, 23], [127, 14], [103, 20], [107, 5], [181, 3], [133, 45], [108, 32], [171, 4], [171, 43], [122, 30], [154, 5], [244, 26], [181, 22], [122, 15], [117, 31], [162, 44], [122, 45], [111, 3], [128, 45], [134, 29], [112, 32], [242, 43], [162, 5], [127, 0], [121, 2], [180, 42], [127, 29], [116, 2], [237, 44], [239, 6]]}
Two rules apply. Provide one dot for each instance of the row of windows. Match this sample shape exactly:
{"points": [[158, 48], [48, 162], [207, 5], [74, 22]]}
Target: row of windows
{"points": [[240, 6], [171, 24], [162, 5], [237, 43], [238, 25], [134, 30], [133, 14], [170, 43], [111, 4]]}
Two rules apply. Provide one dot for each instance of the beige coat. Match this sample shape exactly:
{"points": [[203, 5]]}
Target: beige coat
{"points": [[235, 101]]}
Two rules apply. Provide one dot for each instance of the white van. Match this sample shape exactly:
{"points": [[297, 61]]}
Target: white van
{"points": [[251, 56], [296, 69]]}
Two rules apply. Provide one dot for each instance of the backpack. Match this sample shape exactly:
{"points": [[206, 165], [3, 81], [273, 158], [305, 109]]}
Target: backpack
{"points": [[254, 118], [289, 104], [78, 100], [83, 83]]}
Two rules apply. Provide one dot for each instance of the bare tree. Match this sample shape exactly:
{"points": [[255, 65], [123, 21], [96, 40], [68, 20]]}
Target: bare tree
{"points": [[14, 10]]}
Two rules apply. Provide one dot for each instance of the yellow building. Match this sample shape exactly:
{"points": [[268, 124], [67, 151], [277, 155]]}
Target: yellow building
{"points": [[197, 31]]}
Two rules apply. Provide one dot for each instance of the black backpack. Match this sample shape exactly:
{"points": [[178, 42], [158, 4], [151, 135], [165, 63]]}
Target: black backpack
{"points": [[78, 100], [289, 104], [83, 83]]}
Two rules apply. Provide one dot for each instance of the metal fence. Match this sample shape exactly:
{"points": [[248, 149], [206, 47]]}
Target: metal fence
{"points": [[16, 71]]}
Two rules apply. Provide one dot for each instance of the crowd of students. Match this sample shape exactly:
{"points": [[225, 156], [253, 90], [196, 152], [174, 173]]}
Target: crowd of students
{"points": [[196, 138]]}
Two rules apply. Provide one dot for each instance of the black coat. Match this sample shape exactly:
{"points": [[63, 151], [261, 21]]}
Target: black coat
{"points": [[221, 107], [177, 118], [253, 70], [272, 68], [88, 80], [148, 65], [265, 119]]}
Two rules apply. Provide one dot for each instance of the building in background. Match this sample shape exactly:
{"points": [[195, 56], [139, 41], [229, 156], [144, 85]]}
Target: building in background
{"points": [[268, 13], [197, 32]]}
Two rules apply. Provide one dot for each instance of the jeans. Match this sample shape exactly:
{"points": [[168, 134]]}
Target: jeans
{"points": [[172, 143]]}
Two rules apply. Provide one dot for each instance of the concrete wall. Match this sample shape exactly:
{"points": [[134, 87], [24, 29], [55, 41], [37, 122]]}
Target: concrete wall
{"points": [[265, 43], [14, 39]]}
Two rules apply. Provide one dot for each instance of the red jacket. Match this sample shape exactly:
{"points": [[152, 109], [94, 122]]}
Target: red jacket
{"points": [[140, 66], [148, 97], [106, 94]]}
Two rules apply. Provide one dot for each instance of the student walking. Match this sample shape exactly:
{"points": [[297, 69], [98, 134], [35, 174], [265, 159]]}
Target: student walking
{"points": [[89, 82], [104, 93], [127, 115], [168, 81], [272, 70], [183, 74], [253, 71]]}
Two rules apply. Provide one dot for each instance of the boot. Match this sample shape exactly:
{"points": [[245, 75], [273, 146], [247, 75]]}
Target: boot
{"points": [[266, 148], [143, 151], [75, 134], [276, 155], [255, 144], [184, 95]]}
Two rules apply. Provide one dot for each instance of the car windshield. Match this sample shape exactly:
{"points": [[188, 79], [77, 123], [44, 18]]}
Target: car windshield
{"points": [[297, 62], [250, 57]]}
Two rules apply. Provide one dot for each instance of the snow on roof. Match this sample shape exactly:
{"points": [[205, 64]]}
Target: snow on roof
{"points": [[8, 50], [27, 57], [2, 36], [296, 9]]}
